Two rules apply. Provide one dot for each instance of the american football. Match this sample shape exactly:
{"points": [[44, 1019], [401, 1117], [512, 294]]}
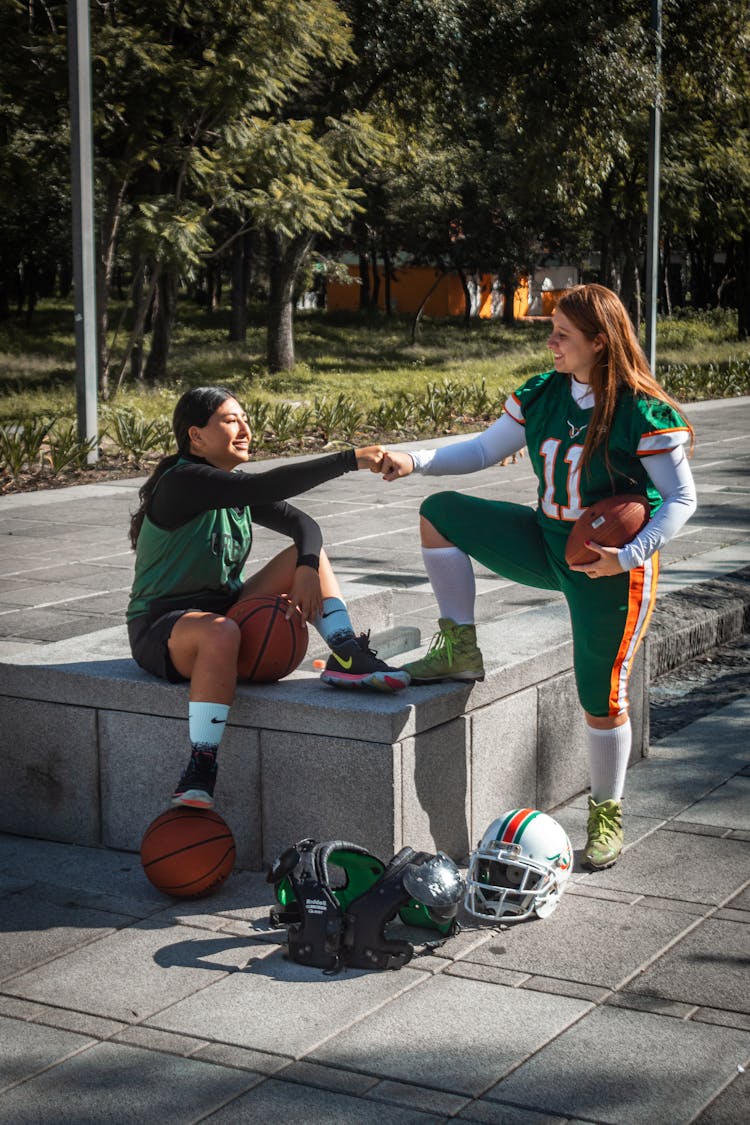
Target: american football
{"points": [[612, 522]]}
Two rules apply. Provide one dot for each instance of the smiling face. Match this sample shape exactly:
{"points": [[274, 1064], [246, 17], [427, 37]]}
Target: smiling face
{"points": [[572, 351], [224, 441]]}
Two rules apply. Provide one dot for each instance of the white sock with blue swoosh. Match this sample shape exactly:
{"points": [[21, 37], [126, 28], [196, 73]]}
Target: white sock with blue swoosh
{"points": [[334, 623], [207, 722]]}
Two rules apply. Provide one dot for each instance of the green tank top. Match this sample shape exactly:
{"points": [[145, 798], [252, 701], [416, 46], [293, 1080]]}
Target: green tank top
{"points": [[202, 557]]}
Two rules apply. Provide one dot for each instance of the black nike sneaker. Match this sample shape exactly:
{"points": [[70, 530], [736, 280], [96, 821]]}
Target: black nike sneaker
{"points": [[353, 664], [195, 788]]}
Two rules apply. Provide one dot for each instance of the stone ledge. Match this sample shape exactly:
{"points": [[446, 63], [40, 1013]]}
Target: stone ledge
{"points": [[96, 743], [692, 621]]}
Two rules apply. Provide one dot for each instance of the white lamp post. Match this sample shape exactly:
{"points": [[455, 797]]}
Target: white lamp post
{"points": [[84, 269]]}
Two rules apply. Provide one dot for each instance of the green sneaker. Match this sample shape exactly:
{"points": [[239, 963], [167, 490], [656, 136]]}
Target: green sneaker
{"points": [[605, 840], [452, 655]]}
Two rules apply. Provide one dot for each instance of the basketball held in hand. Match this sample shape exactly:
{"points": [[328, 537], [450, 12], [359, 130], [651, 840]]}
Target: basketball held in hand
{"points": [[188, 853], [611, 522], [271, 646]]}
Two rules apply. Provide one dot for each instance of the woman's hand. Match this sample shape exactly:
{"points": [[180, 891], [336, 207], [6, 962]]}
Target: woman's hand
{"points": [[304, 595], [396, 465], [370, 457], [606, 565]]}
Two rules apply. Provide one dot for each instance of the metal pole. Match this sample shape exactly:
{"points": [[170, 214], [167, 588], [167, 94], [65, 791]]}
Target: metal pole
{"points": [[84, 269], [654, 162]]}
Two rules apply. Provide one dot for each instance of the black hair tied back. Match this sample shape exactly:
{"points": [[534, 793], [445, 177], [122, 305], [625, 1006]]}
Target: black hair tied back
{"points": [[194, 408]]}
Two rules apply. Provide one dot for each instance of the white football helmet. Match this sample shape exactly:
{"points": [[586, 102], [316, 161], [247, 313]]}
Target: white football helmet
{"points": [[520, 867]]}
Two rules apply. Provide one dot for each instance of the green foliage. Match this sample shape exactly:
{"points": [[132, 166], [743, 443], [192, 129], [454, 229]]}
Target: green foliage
{"points": [[360, 381], [468, 135], [281, 421], [258, 416], [65, 450], [693, 382], [435, 408], [331, 416], [21, 443], [393, 416], [136, 436]]}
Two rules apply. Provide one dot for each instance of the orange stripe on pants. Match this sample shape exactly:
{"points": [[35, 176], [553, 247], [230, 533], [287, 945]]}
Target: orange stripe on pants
{"points": [[641, 600]]}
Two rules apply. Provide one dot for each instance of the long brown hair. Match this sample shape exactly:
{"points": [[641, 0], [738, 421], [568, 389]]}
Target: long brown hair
{"points": [[194, 408], [621, 367]]}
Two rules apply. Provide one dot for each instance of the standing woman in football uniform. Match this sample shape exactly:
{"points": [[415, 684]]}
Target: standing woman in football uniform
{"points": [[192, 535], [596, 425]]}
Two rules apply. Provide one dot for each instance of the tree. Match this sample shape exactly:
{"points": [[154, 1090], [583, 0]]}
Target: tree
{"points": [[35, 246], [187, 97], [707, 145]]}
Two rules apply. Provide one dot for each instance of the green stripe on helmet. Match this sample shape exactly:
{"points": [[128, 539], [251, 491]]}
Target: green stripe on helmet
{"points": [[524, 825], [499, 835]]}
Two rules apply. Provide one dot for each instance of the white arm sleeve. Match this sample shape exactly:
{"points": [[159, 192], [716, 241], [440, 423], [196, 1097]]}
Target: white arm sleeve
{"points": [[503, 438], [671, 474]]}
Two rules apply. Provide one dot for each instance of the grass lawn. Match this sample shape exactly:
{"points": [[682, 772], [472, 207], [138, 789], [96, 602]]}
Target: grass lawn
{"points": [[369, 360]]}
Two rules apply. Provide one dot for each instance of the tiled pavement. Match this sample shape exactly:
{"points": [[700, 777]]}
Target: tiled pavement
{"points": [[630, 1004]]}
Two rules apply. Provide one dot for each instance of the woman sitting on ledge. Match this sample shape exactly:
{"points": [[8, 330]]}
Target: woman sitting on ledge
{"points": [[192, 535]]}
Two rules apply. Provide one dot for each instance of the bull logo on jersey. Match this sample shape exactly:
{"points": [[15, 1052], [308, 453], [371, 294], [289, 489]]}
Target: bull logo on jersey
{"points": [[575, 431]]}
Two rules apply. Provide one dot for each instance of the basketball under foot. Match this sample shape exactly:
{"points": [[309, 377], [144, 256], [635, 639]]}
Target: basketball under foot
{"points": [[195, 789], [353, 664]]}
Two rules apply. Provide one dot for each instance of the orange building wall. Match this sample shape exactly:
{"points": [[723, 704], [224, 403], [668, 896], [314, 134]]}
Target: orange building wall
{"points": [[408, 289]]}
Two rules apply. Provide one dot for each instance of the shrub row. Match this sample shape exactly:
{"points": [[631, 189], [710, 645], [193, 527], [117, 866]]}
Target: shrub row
{"points": [[49, 447]]}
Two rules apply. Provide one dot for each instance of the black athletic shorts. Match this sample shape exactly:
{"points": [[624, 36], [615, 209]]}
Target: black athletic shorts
{"points": [[149, 635]]}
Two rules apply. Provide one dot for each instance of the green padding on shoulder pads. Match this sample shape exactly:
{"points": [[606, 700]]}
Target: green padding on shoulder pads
{"points": [[284, 892], [358, 873], [415, 914], [361, 872]]}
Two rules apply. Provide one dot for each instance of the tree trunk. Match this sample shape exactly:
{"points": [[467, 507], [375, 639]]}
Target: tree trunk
{"points": [[31, 275], [701, 260], [284, 261], [251, 253], [213, 287], [238, 314], [65, 279], [742, 268], [387, 279], [509, 300], [364, 277], [375, 294], [631, 282], [161, 331], [142, 314], [136, 354], [467, 295], [665, 275], [104, 271], [415, 323]]}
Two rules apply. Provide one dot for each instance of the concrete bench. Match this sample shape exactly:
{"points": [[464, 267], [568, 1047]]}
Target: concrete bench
{"points": [[93, 745]]}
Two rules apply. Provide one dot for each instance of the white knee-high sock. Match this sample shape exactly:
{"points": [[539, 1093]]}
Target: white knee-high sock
{"points": [[452, 576], [207, 722], [609, 753]]}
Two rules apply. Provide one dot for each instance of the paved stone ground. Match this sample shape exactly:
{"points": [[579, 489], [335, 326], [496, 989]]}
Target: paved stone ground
{"points": [[630, 1004]]}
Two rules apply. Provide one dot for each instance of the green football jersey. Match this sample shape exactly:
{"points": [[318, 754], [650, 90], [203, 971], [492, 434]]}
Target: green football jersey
{"points": [[556, 430], [205, 555]]}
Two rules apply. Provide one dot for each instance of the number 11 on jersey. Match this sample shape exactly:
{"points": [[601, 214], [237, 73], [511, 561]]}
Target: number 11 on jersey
{"points": [[572, 509]]}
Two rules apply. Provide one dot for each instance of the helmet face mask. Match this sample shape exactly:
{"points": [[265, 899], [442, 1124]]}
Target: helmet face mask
{"points": [[519, 868], [437, 884]]}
